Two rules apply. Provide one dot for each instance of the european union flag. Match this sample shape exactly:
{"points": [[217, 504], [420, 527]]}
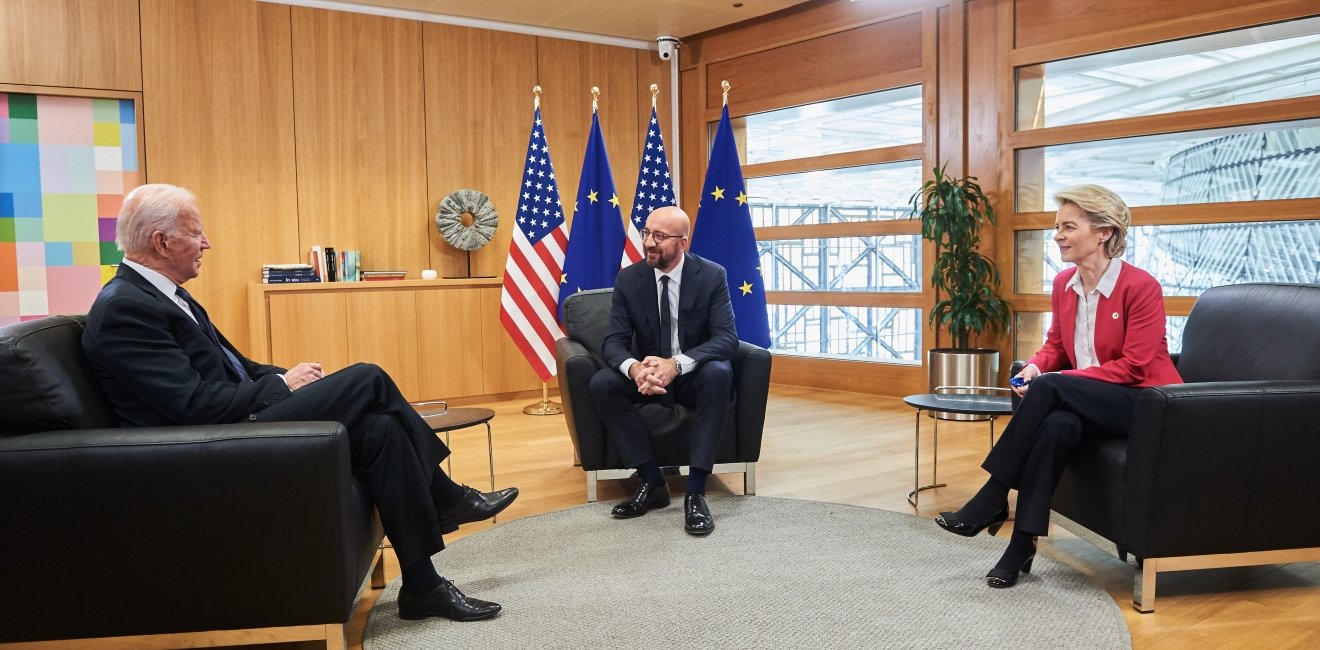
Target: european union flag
{"points": [[724, 235], [595, 242]]}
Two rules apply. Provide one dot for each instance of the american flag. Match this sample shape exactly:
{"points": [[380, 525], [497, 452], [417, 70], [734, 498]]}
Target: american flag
{"points": [[653, 189], [528, 304]]}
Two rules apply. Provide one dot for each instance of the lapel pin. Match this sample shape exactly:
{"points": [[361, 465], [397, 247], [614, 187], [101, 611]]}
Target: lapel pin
{"points": [[1115, 316]]}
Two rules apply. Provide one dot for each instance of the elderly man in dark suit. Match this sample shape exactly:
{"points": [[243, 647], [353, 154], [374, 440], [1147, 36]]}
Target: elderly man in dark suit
{"points": [[162, 362], [670, 338]]}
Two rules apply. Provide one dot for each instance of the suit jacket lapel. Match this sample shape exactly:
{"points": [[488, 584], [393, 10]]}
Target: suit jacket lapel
{"points": [[687, 294], [646, 286]]}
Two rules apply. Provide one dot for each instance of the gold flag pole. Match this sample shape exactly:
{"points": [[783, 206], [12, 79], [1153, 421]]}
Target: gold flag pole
{"points": [[545, 406], [655, 90], [725, 85], [595, 98]]}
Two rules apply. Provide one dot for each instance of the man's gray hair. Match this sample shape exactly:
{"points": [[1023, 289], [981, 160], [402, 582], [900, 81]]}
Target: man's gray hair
{"points": [[146, 209]]}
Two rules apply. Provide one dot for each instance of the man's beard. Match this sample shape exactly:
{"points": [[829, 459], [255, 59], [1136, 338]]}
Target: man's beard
{"points": [[661, 260]]}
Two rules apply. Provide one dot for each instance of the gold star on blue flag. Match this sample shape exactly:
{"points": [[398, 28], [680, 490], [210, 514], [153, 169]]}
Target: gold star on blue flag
{"points": [[595, 241], [724, 235]]}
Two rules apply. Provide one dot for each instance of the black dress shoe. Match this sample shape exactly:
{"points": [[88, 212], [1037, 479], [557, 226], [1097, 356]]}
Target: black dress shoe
{"points": [[949, 521], [696, 515], [474, 506], [646, 497], [447, 602], [1005, 578]]}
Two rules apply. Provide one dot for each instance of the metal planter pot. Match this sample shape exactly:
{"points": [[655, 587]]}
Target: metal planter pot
{"points": [[965, 367]]}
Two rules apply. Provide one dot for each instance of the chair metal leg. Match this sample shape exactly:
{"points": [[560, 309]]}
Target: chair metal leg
{"points": [[749, 480], [378, 569], [591, 487], [1143, 585]]}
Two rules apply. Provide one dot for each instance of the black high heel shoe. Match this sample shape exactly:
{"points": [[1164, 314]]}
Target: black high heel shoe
{"points": [[949, 521], [1003, 578]]}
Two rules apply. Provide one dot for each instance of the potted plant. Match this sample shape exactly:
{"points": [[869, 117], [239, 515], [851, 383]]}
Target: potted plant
{"points": [[967, 302]]}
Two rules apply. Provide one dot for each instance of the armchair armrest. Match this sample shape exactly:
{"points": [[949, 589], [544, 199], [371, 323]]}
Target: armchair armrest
{"points": [[188, 527], [1218, 467], [576, 365], [751, 368]]}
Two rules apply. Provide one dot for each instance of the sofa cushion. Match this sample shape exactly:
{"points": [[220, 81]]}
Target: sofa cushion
{"points": [[46, 383], [587, 318], [1248, 332]]}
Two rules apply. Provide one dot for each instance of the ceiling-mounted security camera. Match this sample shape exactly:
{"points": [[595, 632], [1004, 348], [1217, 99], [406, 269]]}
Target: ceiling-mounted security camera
{"points": [[668, 46]]}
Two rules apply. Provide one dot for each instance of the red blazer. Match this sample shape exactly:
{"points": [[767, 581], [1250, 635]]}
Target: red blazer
{"points": [[1130, 339]]}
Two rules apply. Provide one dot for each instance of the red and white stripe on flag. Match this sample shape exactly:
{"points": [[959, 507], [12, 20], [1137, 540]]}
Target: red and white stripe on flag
{"points": [[530, 298]]}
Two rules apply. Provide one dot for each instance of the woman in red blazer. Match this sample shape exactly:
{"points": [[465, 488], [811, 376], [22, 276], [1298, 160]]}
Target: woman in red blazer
{"points": [[1106, 342]]}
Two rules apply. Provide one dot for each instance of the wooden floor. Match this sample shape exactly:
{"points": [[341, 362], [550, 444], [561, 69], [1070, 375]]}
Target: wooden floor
{"points": [[857, 449]]}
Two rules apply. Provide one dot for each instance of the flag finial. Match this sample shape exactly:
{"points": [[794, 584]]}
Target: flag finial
{"points": [[726, 86], [655, 90], [595, 98], [536, 97]]}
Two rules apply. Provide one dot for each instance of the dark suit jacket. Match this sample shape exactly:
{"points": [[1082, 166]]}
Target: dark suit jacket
{"points": [[159, 368], [705, 314]]}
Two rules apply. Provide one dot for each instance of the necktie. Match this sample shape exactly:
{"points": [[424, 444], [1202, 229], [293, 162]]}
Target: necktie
{"points": [[207, 328], [666, 347]]}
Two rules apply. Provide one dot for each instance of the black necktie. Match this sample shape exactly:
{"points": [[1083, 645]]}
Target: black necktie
{"points": [[666, 347], [207, 328]]}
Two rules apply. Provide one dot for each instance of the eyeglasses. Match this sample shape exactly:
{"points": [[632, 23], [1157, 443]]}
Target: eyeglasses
{"points": [[658, 236]]}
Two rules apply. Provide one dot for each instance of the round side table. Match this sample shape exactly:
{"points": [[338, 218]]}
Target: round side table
{"points": [[443, 419], [991, 406]]}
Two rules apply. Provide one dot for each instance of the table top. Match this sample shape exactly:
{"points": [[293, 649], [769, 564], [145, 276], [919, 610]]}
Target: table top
{"points": [[962, 403], [441, 420]]}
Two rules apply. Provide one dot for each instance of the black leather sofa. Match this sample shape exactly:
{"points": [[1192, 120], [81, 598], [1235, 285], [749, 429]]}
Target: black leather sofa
{"points": [[577, 356], [243, 533], [1223, 470]]}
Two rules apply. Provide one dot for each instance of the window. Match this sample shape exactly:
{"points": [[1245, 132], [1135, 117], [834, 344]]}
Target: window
{"points": [[839, 227]]}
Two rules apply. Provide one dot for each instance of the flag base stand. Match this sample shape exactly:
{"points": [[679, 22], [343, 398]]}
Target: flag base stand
{"points": [[544, 407]]}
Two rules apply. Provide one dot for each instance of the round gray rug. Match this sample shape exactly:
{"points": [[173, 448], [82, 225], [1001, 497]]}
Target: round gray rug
{"points": [[776, 573]]}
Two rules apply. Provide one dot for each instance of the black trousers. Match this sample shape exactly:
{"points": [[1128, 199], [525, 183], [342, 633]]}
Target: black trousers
{"points": [[389, 444], [705, 390], [1056, 415]]}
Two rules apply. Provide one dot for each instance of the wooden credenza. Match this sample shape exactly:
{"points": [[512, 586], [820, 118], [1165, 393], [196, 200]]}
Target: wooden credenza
{"points": [[438, 339]]}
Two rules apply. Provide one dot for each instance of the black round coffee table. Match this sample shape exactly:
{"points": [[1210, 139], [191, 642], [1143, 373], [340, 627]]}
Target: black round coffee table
{"points": [[990, 406], [443, 419]]}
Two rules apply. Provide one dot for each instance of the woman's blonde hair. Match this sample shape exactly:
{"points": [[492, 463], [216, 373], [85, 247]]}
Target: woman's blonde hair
{"points": [[1104, 209]]}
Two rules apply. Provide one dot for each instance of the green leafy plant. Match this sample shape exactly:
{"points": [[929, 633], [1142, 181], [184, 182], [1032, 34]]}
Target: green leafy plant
{"points": [[967, 302]]}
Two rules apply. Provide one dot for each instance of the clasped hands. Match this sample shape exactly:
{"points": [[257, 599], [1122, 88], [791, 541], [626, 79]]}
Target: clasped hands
{"points": [[303, 374], [653, 375]]}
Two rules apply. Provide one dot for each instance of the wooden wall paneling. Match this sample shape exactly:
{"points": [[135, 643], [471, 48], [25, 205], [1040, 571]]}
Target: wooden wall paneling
{"points": [[71, 43], [219, 105], [478, 117], [854, 376], [505, 370], [566, 71], [1084, 26], [359, 125], [800, 22], [846, 62], [651, 70], [695, 143], [378, 327], [451, 347], [309, 327]]}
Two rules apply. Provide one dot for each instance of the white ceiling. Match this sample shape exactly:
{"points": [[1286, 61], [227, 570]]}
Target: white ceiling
{"points": [[640, 20]]}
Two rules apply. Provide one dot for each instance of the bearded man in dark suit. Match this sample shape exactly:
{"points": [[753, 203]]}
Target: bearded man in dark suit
{"points": [[162, 362], [671, 335]]}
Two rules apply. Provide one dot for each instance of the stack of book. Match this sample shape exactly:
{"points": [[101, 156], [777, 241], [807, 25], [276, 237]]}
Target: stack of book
{"points": [[282, 273]]}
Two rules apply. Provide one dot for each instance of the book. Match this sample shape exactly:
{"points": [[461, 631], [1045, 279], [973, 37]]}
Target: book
{"points": [[384, 275], [331, 265], [318, 262]]}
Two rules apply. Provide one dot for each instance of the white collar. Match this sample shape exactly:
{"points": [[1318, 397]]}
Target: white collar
{"points": [[165, 285], [1108, 280], [675, 274]]}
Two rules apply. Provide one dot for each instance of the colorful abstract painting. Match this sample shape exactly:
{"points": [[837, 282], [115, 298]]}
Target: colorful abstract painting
{"points": [[65, 165]]}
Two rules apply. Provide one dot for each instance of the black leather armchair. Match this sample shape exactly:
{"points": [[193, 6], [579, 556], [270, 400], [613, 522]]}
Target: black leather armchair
{"points": [[586, 318], [1222, 470], [245, 532]]}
